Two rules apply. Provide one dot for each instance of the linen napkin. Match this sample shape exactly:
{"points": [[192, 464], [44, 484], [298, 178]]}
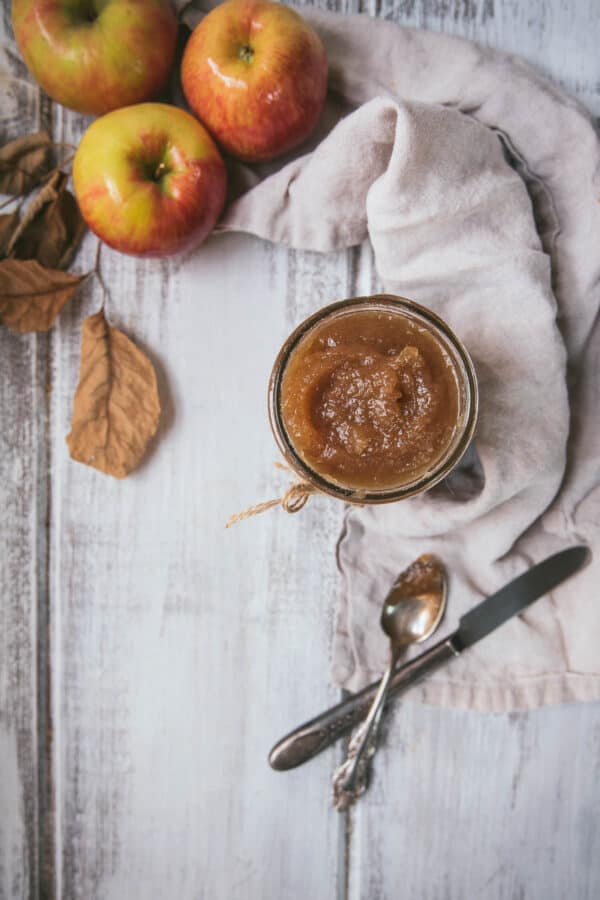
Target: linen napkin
{"points": [[477, 183]]}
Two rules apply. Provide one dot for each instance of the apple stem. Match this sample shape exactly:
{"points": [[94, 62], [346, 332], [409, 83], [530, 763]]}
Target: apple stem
{"points": [[246, 53], [159, 171]]}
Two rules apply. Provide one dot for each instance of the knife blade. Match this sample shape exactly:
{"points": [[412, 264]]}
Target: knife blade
{"points": [[315, 735]]}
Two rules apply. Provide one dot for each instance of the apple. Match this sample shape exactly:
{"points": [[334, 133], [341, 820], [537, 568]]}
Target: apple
{"points": [[149, 179], [256, 74], [96, 55]]}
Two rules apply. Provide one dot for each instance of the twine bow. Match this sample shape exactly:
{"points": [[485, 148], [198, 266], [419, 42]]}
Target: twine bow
{"points": [[292, 501]]}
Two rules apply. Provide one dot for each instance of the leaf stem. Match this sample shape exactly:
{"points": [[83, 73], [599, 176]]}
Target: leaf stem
{"points": [[65, 162], [97, 271]]}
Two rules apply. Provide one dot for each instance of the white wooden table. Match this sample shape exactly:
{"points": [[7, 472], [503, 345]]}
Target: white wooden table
{"points": [[149, 658]]}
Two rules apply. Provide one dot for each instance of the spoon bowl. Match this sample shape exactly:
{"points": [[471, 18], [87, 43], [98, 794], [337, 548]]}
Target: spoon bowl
{"points": [[415, 605]]}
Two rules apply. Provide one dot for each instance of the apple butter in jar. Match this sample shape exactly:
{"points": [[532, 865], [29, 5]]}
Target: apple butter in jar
{"points": [[373, 399]]}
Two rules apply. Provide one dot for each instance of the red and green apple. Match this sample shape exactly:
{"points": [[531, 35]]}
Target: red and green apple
{"points": [[149, 179], [256, 74], [96, 55]]}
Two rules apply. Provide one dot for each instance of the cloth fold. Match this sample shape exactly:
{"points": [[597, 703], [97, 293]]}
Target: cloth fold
{"points": [[478, 184]]}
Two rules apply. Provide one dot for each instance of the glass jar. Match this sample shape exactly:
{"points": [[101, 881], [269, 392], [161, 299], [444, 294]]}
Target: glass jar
{"points": [[420, 319]]}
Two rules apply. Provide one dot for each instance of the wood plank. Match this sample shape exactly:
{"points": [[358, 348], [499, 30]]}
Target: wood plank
{"points": [[183, 650], [22, 368], [23, 589], [463, 804], [495, 807], [559, 37], [160, 766]]}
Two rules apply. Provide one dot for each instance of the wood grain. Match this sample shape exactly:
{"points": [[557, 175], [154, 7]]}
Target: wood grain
{"points": [[24, 789], [485, 806], [180, 652], [466, 805], [558, 36], [181, 649], [21, 492]]}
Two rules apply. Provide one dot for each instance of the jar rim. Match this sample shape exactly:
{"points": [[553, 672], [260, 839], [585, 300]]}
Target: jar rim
{"points": [[440, 469]]}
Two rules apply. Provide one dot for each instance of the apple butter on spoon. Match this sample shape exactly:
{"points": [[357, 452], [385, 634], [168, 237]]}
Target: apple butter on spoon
{"points": [[374, 397]]}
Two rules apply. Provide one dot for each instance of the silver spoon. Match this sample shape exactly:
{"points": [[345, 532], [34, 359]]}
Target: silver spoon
{"points": [[411, 612]]}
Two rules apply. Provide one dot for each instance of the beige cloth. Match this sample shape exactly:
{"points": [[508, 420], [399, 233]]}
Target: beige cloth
{"points": [[421, 168]]}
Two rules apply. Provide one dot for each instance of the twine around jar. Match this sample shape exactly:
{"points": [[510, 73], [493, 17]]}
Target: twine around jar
{"points": [[292, 501]]}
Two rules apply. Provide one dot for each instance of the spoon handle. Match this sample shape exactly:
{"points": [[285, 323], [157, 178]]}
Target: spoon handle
{"points": [[351, 778], [315, 735]]}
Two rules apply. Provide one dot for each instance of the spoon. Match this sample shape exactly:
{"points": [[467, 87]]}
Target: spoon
{"points": [[411, 612]]}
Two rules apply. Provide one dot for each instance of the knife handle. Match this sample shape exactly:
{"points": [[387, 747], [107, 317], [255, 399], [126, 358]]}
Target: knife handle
{"points": [[309, 739]]}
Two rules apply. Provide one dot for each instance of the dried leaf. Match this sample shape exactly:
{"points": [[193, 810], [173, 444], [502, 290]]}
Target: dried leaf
{"points": [[64, 229], [51, 228], [32, 296], [8, 224], [46, 194], [116, 407], [24, 162]]}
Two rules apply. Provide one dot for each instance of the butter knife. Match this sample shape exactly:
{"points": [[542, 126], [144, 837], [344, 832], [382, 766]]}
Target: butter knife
{"points": [[315, 735]]}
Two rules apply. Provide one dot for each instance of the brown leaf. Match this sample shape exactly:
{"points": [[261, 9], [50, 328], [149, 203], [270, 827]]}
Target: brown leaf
{"points": [[23, 162], [64, 229], [116, 407], [51, 228], [32, 296], [8, 223]]}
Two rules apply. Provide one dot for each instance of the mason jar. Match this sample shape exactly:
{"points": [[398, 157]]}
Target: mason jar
{"points": [[419, 325]]}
